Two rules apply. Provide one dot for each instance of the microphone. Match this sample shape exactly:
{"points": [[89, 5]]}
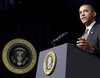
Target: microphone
{"points": [[59, 37]]}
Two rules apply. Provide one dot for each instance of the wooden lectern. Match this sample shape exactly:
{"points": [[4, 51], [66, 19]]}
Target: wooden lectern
{"points": [[71, 62]]}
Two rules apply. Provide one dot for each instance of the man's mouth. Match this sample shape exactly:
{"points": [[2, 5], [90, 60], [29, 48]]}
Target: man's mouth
{"points": [[83, 18]]}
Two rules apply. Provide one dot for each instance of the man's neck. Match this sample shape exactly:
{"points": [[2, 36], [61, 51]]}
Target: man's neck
{"points": [[88, 24]]}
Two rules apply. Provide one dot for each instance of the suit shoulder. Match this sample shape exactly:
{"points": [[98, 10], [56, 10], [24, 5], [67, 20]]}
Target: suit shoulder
{"points": [[97, 25]]}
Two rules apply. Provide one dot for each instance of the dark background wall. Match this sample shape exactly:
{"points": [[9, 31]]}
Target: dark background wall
{"points": [[39, 21]]}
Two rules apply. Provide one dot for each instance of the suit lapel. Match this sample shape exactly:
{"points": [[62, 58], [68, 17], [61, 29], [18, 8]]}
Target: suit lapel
{"points": [[91, 32]]}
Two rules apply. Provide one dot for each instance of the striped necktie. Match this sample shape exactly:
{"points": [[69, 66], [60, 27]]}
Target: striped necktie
{"points": [[85, 35]]}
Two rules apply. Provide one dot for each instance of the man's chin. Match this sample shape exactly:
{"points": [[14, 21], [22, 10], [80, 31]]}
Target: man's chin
{"points": [[84, 22]]}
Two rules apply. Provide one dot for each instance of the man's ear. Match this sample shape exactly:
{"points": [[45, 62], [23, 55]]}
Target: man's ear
{"points": [[94, 14]]}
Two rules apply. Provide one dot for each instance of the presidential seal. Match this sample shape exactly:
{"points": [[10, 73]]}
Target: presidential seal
{"points": [[19, 56], [49, 63]]}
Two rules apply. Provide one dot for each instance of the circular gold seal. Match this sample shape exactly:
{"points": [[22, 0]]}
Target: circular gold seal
{"points": [[19, 56], [49, 63]]}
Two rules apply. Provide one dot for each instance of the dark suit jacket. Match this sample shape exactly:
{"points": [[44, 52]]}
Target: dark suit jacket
{"points": [[94, 38]]}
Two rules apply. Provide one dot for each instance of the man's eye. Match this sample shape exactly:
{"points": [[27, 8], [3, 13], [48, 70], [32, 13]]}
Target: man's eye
{"points": [[86, 10], [80, 12]]}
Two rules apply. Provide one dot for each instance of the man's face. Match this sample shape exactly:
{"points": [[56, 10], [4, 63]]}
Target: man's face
{"points": [[86, 14]]}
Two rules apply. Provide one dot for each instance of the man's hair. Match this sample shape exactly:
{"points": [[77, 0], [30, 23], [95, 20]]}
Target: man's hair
{"points": [[90, 6]]}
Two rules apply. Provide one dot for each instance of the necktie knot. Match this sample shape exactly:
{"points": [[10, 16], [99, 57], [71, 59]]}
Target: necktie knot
{"points": [[86, 31]]}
